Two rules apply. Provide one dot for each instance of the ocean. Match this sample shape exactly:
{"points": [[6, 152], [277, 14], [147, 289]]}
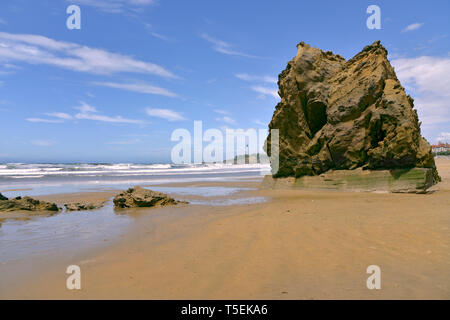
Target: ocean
{"points": [[44, 179]]}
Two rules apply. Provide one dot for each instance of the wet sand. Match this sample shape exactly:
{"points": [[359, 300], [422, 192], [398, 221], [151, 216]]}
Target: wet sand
{"points": [[298, 245]]}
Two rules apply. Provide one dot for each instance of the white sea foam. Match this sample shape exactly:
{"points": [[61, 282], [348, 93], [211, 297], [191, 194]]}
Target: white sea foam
{"points": [[27, 177], [38, 170]]}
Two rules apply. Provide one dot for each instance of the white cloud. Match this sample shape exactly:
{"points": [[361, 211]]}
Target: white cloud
{"points": [[40, 120], [42, 143], [37, 49], [102, 118], [8, 69], [247, 77], [142, 2], [428, 80], [10, 66], [220, 111], [114, 6], [413, 27], [266, 91], [159, 36], [225, 116], [149, 27], [260, 123], [430, 77], [444, 137], [167, 114], [429, 74], [85, 108], [60, 115], [224, 47], [138, 87], [88, 112], [226, 119]]}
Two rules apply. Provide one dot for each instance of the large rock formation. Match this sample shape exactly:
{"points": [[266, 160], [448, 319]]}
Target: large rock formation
{"points": [[140, 197], [338, 114], [25, 204]]}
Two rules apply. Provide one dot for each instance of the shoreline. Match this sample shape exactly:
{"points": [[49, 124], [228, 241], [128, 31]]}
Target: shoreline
{"points": [[300, 244]]}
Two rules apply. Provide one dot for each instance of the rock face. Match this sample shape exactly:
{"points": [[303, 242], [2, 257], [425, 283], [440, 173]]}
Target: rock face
{"points": [[140, 197], [416, 180], [26, 204], [337, 114]]}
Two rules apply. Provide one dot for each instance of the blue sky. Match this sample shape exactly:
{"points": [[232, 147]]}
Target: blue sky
{"points": [[138, 69]]}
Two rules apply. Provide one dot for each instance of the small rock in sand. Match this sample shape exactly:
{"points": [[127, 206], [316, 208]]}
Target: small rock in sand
{"points": [[82, 206], [140, 197]]}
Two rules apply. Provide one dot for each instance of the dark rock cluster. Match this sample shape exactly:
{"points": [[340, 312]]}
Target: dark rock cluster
{"points": [[25, 204]]}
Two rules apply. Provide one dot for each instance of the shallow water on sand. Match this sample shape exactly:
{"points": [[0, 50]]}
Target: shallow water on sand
{"points": [[64, 231], [75, 231], [200, 191], [230, 202], [48, 188]]}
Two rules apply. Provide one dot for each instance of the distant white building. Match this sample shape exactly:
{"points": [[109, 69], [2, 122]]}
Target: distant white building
{"points": [[440, 147]]}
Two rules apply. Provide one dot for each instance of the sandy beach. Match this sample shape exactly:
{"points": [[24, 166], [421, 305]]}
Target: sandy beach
{"points": [[299, 244]]}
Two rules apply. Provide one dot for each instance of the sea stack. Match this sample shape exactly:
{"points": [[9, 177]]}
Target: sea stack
{"points": [[346, 115]]}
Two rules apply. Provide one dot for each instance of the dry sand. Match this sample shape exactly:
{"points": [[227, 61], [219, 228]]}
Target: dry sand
{"points": [[298, 245]]}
